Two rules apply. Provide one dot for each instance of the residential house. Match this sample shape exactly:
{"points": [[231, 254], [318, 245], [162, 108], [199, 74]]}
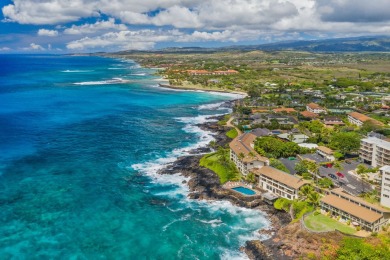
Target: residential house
{"points": [[358, 119], [315, 108], [309, 114], [326, 153], [243, 155], [375, 151], [332, 120], [284, 110], [259, 132], [368, 216], [385, 186], [296, 138], [278, 182]]}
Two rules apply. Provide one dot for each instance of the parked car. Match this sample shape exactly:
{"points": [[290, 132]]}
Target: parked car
{"points": [[340, 174], [331, 175]]}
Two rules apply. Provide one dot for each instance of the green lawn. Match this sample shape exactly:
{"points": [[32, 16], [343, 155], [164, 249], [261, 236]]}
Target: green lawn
{"points": [[232, 133], [325, 223], [225, 173]]}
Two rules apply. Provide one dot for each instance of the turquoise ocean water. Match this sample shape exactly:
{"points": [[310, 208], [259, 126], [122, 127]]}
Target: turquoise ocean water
{"points": [[81, 139]]}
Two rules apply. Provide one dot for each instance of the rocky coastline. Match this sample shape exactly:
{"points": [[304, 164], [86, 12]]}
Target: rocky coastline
{"points": [[204, 185]]}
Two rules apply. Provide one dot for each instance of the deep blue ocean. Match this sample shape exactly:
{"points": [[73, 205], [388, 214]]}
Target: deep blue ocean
{"points": [[81, 139]]}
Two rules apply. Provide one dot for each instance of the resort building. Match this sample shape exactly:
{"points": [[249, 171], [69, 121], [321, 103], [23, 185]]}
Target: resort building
{"points": [[358, 119], [361, 213], [385, 186], [278, 182], [375, 151], [326, 152], [315, 108], [244, 156]]}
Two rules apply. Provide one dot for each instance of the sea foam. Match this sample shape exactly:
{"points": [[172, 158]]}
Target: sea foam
{"points": [[103, 82]]}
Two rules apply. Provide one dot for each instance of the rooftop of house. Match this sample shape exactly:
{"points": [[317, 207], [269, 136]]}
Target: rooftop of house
{"points": [[284, 109], [314, 106], [296, 138], [261, 132], [280, 176], [243, 145], [351, 208], [325, 150], [364, 118], [341, 192], [309, 114]]}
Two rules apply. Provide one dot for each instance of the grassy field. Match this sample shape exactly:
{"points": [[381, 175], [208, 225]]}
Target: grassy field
{"points": [[225, 173], [232, 133], [325, 223]]}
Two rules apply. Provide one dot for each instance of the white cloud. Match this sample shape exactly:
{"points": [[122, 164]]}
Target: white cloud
{"points": [[49, 11], [203, 20], [141, 40], [96, 27], [50, 33], [5, 49], [146, 39], [34, 47]]}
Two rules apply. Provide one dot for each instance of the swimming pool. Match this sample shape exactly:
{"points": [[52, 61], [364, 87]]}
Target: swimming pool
{"points": [[245, 191]]}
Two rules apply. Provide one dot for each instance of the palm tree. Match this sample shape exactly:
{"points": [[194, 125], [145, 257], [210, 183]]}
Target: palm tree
{"points": [[251, 178], [314, 198], [222, 155], [305, 191], [213, 144], [313, 169]]}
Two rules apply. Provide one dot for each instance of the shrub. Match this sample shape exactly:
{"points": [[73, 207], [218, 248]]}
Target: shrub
{"points": [[283, 204], [358, 228], [348, 222]]}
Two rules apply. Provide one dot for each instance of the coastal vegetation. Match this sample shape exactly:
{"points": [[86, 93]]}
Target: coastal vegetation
{"points": [[219, 163], [370, 248], [232, 133], [273, 147]]}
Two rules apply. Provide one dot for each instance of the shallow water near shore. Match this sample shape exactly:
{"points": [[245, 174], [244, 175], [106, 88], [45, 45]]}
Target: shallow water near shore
{"points": [[81, 140]]}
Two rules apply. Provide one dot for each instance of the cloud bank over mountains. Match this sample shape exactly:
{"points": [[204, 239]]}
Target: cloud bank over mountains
{"points": [[133, 24]]}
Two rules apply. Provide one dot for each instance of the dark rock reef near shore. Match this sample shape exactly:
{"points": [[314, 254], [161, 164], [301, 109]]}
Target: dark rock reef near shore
{"points": [[204, 184]]}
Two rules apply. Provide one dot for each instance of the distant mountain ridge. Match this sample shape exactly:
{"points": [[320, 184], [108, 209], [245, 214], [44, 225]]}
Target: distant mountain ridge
{"points": [[356, 44]]}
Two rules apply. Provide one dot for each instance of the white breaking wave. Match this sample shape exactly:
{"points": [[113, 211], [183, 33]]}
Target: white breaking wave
{"points": [[103, 82], [76, 71], [212, 106], [250, 220], [138, 74]]}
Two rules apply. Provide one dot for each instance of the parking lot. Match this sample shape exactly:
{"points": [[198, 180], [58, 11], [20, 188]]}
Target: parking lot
{"points": [[346, 180]]}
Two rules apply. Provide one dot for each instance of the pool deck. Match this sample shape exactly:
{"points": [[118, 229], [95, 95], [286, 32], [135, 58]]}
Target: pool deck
{"points": [[230, 185]]}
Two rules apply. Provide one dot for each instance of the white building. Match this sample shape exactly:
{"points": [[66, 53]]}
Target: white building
{"points": [[278, 182], [358, 119], [315, 108], [326, 152], [244, 156], [375, 151], [385, 190]]}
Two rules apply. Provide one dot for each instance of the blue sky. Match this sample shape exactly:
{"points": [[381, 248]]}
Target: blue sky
{"points": [[65, 26]]}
